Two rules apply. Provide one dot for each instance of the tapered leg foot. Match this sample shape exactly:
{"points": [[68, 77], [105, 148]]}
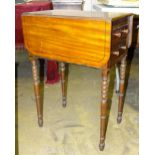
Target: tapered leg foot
{"points": [[101, 146], [121, 90], [64, 102], [119, 118], [40, 122]]}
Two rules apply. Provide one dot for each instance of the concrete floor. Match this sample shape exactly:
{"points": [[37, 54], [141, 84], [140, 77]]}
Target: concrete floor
{"points": [[74, 130]]}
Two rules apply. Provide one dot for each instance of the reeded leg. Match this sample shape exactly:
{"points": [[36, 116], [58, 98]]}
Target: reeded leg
{"points": [[121, 89], [104, 101], [37, 91], [62, 75]]}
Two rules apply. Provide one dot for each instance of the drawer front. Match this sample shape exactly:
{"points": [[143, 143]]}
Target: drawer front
{"points": [[120, 31]]}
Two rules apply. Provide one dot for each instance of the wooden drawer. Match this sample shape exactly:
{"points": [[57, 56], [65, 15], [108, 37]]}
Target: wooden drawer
{"points": [[119, 37]]}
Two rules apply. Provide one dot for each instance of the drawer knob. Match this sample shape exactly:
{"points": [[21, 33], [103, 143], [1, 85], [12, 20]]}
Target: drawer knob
{"points": [[115, 53], [117, 34], [123, 47], [126, 31]]}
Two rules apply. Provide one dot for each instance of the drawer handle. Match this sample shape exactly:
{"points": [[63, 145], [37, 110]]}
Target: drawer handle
{"points": [[126, 31], [117, 34], [123, 47], [115, 53]]}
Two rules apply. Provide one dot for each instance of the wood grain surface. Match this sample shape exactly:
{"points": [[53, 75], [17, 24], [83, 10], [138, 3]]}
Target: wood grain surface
{"points": [[79, 41], [78, 37]]}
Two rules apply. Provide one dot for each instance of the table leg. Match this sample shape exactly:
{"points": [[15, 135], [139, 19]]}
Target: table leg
{"points": [[104, 102], [117, 79], [62, 75], [37, 90], [121, 89]]}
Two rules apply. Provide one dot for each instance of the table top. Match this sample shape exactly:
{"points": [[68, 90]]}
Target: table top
{"points": [[78, 37], [108, 16]]}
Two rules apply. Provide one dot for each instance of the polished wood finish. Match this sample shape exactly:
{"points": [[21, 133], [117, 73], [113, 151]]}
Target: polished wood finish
{"points": [[37, 90], [62, 75], [104, 105], [121, 89], [92, 39], [75, 40], [121, 38]]}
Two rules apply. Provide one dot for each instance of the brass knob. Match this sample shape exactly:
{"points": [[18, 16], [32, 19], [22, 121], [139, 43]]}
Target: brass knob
{"points": [[123, 47], [126, 31], [115, 53], [117, 34]]}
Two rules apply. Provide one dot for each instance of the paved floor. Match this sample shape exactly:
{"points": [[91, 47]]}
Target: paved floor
{"points": [[74, 130]]}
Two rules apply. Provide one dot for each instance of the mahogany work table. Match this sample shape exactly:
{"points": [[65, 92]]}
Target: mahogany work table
{"points": [[93, 39]]}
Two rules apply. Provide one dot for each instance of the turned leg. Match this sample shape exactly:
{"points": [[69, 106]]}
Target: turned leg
{"points": [[62, 75], [121, 89], [37, 90], [104, 91]]}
